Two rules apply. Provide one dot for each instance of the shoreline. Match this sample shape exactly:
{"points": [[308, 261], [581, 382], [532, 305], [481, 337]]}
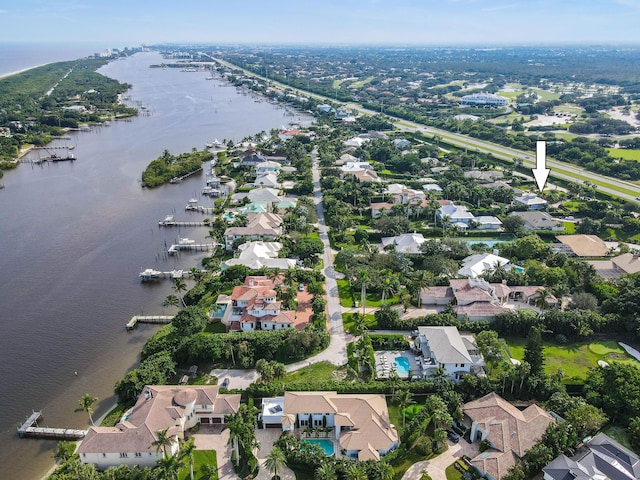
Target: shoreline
{"points": [[5, 75]]}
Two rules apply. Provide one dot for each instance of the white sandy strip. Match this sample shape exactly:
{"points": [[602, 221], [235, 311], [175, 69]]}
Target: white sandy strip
{"points": [[630, 350], [22, 71]]}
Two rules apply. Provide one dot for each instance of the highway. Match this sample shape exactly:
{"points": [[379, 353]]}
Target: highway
{"points": [[564, 171]]}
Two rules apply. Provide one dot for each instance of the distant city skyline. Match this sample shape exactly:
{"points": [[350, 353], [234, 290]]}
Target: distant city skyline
{"points": [[328, 22]]}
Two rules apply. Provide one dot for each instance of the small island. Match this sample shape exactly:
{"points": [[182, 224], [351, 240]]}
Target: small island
{"points": [[168, 167]]}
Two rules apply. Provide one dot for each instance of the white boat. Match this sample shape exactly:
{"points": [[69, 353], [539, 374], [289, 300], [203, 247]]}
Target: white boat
{"points": [[149, 274], [176, 274], [186, 241], [168, 218]]}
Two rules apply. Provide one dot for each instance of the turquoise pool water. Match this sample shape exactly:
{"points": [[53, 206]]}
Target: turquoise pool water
{"points": [[326, 445], [488, 243], [402, 365]]}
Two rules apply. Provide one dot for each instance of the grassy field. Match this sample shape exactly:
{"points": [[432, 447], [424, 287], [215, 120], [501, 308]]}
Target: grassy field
{"points": [[200, 457], [452, 473], [576, 358], [569, 228], [320, 372], [361, 83], [347, 297], [369, 321], [565, 108], [624, 153]]}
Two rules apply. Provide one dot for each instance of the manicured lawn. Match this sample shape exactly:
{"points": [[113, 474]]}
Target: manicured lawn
{"points": [[114, 415], [627, 154], [569, 228], [200, 457], [316, 372], [361, 83], [344, 291], [545, 95], [576, 358], [452, 473], [217, 327], [369, 321]]}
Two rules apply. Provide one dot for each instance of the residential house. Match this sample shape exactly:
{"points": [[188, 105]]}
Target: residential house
{"points": [[477, 300], [536, 220], [362, 170], [509, 432], [431, 187], [380, 208], [624, 264], [413, 200], [268, 167], [581, 245], [255, 307], [531, 201], [446, 348], [252, 158], [267, 194], [159, 407], [477, 265], [359, 423], [256, 255], [267, 180], [219, 186], [260, 226], [529, 294], [500, 184], [346, 158], [453, 214], [408, 243], [599, 459], [401, 143], [487, 222], [285, 135], [484, 175]]}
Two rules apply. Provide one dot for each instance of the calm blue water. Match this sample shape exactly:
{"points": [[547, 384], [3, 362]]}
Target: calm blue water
{"points": [[18, 56], [403, 366], [76, 237], [326, 445], [488, 243]]}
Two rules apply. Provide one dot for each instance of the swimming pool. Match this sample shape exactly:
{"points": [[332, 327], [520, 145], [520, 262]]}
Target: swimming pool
{"points": [[326, 445], [402, 365]]}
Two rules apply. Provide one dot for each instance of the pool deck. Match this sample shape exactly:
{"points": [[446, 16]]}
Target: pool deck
{"points": [[385, 362]]}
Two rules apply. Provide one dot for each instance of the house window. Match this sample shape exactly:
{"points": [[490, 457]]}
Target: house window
{"points": [[462, 364]]}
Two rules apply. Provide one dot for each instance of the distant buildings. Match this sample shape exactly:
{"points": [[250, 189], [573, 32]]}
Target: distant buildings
{"points": [[483, 99]]}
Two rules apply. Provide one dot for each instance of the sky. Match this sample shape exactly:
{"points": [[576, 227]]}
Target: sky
{"points": [[119, 23]]}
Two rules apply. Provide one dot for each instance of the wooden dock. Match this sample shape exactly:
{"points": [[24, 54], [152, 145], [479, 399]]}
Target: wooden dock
{"points": [[155, 319], [182, 177], [30, 429], [173, 223], [199, 208]]}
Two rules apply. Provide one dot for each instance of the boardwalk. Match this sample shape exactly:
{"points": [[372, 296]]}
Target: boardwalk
{"points": [[27, 429], [156, 319]]}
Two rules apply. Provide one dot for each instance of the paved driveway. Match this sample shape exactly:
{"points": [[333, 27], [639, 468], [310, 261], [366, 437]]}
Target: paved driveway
{"points": [[266, 438], [207, 438], [436, 466]]}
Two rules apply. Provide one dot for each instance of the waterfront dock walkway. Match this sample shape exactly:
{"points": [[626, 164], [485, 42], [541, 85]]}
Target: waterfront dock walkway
{"points": [[155, 319], [197, 247], [30, 429]]}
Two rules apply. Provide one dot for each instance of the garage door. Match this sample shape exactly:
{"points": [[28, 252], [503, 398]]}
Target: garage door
{"points": [[204, 420], [272, 425], [216, 420]]}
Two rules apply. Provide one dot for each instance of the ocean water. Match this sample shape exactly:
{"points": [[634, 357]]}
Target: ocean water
{"points": [[19, 56]]}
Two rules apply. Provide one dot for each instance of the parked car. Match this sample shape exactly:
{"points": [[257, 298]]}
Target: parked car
{"points": [[301, 287], [453, 436], [225, 383]]}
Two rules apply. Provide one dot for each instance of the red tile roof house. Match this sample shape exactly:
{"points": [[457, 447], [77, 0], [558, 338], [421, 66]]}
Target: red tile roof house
{"points": [[509, 431], [254, 307], [176, 408]]}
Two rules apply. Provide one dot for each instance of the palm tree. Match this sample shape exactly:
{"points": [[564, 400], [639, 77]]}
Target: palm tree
{"points": [[64, 451], [186, 451], [209, 472], [275, 461], [439, 436], [404, 398], [86, 405], [419, 280], [162, 441], [169, 467], [235, 426], [326, 471], [355, 471], [171, 301], [196, 274], [180, 286], [383, 471], [388, 284]]}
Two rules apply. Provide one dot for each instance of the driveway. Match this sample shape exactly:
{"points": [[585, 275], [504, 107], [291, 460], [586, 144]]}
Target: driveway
{"points": [[436, 467], [208, 438], [266, 438], [237, 378]]}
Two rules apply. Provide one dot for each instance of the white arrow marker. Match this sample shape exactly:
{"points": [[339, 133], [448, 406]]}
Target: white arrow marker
{"points": [[541, 172]]}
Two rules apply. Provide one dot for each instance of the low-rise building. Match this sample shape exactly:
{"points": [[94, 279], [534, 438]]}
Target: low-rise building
{"points": [[358, 424], [159, 407], [509, 432], [599, 459], [531, 201], [260, 226], [582, 245], [259, 254], [408, 243], [446, 348], [536, 220], [477, 265]]}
